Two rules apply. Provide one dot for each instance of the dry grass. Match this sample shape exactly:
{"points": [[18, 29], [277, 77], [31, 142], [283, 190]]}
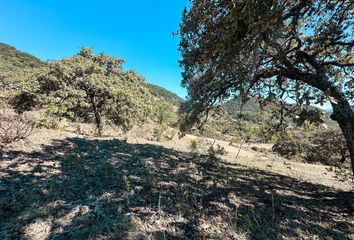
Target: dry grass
{"points": [[66, 187]]}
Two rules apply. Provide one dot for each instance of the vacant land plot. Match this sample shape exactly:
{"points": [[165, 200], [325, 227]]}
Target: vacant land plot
{"points": [[87, 188]]}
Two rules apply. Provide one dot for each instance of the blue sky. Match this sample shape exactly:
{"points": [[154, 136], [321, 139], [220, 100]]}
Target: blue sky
{"points": [[139, 31]]}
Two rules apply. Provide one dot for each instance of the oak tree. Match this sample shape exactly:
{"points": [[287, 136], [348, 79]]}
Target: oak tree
{"points": [[289, 51], [89, 87]]}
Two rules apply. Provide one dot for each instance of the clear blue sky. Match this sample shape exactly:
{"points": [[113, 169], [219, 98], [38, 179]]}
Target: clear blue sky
{"points": [[139, 31]]}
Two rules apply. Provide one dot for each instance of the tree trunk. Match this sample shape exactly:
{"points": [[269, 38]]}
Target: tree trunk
{"points": [[97, 114], [349, 133], [344, 115]]}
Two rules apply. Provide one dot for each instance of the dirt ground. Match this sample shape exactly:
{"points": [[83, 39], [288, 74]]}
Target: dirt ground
{"points": [[62, 185]]}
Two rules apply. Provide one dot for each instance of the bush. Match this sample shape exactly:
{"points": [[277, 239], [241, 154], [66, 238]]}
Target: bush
{"points": [[14, 127], [48, 121], [215, 151], [326, 146]]}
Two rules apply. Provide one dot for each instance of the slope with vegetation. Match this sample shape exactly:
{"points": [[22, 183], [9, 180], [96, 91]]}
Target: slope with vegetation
{"points": [[12, 60], [166, 95], [60, 185]]}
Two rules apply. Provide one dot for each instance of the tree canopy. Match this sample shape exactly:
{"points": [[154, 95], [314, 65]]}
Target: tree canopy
{"points": [[88, 86], [300, 51]]}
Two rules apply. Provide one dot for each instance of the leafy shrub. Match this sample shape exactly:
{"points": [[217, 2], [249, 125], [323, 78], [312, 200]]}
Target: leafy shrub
{"points": [[14, 127], [326, 146], [48, 121]]}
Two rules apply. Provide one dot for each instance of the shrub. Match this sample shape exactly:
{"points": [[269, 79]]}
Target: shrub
{"points": [[14, 127], [326, 146], [48, 121], [215, 151], [195, 145]]}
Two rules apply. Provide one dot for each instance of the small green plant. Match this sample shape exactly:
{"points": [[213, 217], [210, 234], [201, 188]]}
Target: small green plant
{"points": [[195, 145], [150, 177], [127, 183]]}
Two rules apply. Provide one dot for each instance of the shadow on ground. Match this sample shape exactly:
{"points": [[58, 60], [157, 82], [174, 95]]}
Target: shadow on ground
{"points": [[108, 189]]}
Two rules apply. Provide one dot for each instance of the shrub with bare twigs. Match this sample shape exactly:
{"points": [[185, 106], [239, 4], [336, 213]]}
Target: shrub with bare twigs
{"points": [[13, 126]]}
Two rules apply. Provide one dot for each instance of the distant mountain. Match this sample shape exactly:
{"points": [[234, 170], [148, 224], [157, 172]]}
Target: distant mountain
{"points": [[249, 111], [161, 92], [253, 112]]}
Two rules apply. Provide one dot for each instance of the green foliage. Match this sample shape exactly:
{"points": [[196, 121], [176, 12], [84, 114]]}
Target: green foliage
{"points": [[86, 87], [49, 121], [220, 125], [166, 95], [164, 113], [273, 50], [13, 60], [150, 178], [250, 110], [14, 66], [165, 116], [127, 183], [65, 89], [195, 145], [259, 48], [312, 144]]}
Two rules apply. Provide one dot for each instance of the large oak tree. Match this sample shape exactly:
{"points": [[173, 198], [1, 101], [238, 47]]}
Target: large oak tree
{"points": [[88, 87], [299, 50]]}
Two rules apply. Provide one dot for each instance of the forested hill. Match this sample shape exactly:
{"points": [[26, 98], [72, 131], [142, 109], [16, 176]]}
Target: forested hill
{"points": [[161, 92], [12, 59], [250, 110]]}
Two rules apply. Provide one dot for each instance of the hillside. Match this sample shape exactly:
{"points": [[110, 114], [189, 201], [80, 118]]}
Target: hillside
{"points": [[253, 112], [14, 60], [249, 111], [161, 92]]}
